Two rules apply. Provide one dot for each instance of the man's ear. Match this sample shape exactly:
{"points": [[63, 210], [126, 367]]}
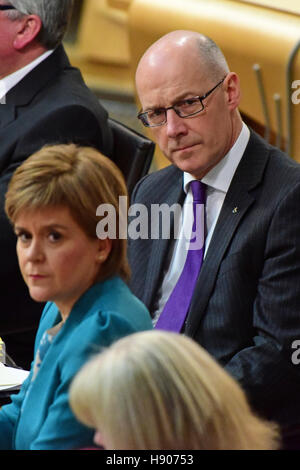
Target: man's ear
{"points": [[27, 30], [232, 86]]}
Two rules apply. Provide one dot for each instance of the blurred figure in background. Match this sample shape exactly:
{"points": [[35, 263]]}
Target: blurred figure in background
{"points": [[160, 390], [52, 202], [43, 101]]}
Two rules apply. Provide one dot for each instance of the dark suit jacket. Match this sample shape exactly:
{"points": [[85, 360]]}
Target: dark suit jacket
{"points": [[246, 305], [50, 105]]}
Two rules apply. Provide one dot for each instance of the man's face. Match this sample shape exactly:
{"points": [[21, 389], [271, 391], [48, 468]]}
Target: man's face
{"points": [[197, 143]]}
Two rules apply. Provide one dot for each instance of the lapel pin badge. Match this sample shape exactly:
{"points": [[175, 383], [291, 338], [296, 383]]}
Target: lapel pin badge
{"points": [[235, 210]]}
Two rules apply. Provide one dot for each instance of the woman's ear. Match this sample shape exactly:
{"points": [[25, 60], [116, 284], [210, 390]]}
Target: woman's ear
{"points": [[28, 29], [104, 249], [232, 88]]}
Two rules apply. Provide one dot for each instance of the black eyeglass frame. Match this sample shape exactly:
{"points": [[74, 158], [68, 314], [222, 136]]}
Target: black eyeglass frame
{"points": [[143, 116], [6, 7]]}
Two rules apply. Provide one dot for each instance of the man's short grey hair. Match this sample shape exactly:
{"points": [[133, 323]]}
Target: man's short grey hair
{"points": [[212, 57], [55, 16]]}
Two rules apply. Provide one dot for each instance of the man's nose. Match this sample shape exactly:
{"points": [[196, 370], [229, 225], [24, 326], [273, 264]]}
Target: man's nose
{"points": [[175, 124]]}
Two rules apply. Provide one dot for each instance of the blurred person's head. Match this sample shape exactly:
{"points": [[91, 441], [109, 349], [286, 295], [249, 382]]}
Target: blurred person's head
{"points": [[188, 71], [160, 390], [52, 202], [30, 27]]}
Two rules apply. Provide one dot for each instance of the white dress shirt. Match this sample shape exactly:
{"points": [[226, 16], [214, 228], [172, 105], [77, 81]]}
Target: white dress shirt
{"points": [[217, 182], [8, 82]]}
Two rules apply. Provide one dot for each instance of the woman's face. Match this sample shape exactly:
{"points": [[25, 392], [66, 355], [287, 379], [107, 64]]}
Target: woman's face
{"points": [[58, 261]]}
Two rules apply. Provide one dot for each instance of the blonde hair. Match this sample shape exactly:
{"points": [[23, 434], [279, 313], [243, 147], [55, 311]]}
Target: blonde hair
{"points": [[161, 390], [79, 178]]}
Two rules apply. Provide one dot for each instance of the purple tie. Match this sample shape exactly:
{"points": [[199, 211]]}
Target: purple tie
{"points": [[174, 313]]}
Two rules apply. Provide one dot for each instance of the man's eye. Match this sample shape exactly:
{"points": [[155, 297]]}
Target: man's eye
{"points": [[156, 113], [189, 102]]}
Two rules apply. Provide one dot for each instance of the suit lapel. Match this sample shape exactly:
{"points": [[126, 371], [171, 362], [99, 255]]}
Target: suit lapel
{"points": [[171, 193], [238, 201], [34, 81], [7, 114]]}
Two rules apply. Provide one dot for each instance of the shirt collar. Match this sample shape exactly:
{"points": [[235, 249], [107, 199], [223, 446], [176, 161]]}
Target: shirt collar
{"points": [[14, 78], [220, 176]]}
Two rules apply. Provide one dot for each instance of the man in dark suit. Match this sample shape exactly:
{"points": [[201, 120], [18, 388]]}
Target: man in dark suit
{"points": [[44, 101], [245, 304]]}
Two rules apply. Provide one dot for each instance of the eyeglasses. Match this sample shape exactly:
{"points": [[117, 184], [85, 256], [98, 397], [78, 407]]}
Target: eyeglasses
{"points": [[7, 7], [184, 108]]}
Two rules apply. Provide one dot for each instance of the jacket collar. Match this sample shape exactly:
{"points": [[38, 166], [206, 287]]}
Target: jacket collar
{"points": [[25, 91], [34, 81]]}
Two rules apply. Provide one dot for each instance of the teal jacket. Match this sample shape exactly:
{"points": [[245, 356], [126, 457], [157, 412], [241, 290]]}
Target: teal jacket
{"points": [[39, 417]]}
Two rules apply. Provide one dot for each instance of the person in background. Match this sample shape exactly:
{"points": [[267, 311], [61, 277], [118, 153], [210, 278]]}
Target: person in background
{"points": [[169, 394], [52, 202], [43, 101], [238, 294]]}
